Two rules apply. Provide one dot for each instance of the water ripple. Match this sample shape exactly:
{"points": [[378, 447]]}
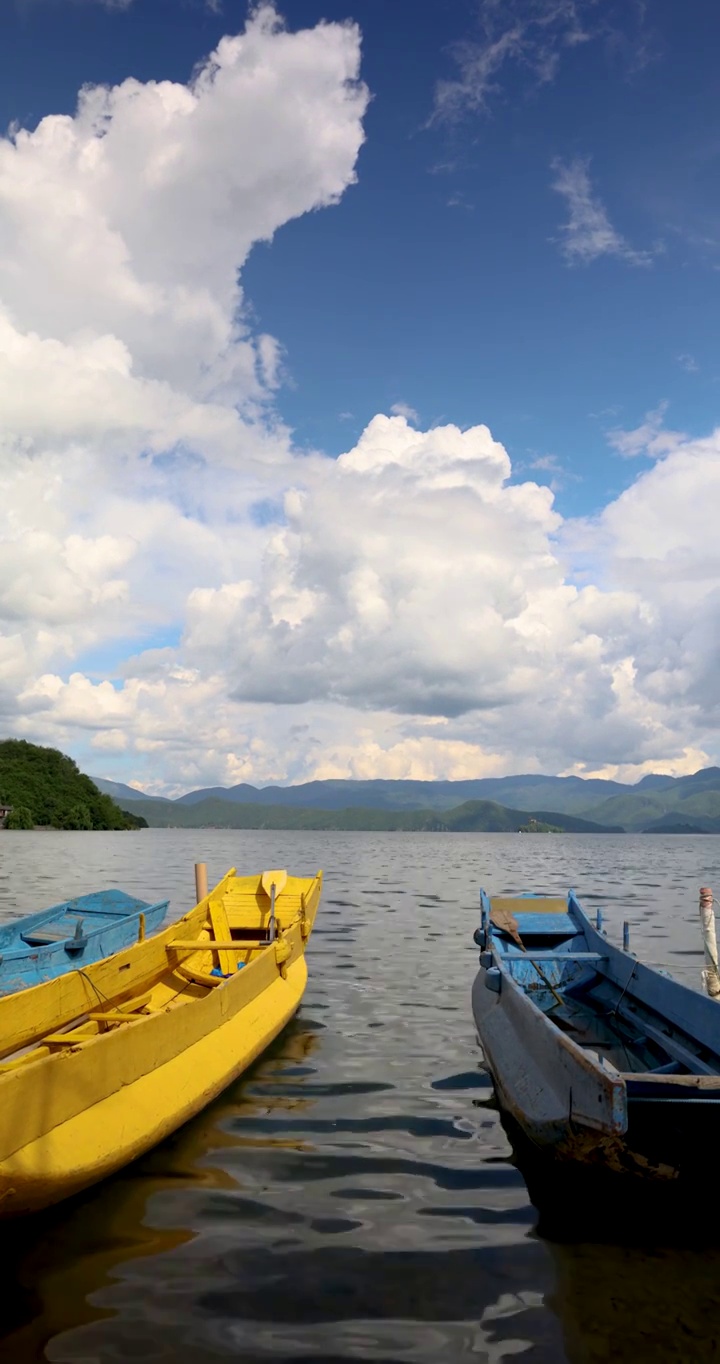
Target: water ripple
{"points": [[353, 1197]]}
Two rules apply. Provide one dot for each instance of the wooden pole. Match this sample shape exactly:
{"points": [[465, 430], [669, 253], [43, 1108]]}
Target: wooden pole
{"points": [[273, 931], [201, 885], [711, 974]]}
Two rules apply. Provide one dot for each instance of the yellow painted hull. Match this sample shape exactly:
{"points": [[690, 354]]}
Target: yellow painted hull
{"points": [[152, 1038]]}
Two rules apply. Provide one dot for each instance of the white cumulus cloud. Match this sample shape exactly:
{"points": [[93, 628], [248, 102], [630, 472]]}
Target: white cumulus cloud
{"points": [[184, 598], [123, 228]]}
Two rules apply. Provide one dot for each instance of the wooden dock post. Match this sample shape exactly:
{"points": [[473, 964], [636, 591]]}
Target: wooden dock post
{"points": [[711, 974], [201, 884]]}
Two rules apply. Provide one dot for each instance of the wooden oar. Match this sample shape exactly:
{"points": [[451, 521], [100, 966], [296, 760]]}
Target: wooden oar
{"points": [[273, 882], [545, 980], [505, 920]]}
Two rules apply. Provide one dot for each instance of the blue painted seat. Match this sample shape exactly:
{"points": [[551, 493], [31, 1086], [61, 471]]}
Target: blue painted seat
{"points": [[547, 926]]}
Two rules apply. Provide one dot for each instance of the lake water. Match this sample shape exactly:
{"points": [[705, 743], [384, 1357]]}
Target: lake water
{"points": [[352, 1197]]}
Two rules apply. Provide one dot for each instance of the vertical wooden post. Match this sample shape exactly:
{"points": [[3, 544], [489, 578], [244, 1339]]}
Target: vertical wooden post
{"points": [[711, 975], [201, 885], [626, 936]]}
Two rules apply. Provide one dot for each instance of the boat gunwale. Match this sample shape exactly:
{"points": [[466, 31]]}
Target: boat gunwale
{"points": [[74, 1079], [35, 952], [136, 905], [83, 989], [44, 1171], [122, 1025]]}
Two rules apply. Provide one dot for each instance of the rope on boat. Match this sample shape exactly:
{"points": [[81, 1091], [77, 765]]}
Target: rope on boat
{"points": [[104, 999]]}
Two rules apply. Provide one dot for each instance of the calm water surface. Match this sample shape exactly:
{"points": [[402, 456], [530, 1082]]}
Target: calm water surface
{"points": [[352, 1197]]}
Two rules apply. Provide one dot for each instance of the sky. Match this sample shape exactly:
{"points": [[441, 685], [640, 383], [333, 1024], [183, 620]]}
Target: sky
{"points": [[360, 388]]}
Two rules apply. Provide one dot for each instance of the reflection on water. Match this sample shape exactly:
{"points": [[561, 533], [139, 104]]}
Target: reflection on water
{"points": [[353, 1196]]}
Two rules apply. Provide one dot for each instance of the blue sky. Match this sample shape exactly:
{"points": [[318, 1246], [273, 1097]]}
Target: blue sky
{"points": [[526, 236], [439, 282]]}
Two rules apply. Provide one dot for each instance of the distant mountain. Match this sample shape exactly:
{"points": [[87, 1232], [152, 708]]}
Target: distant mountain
{"points": [[248, 795], [689, 800], [654, 782], [566, 794], [692, 801], [707, 779], [119, 791], [469, 817]]}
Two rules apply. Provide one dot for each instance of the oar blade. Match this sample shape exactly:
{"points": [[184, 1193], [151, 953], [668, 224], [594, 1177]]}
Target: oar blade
{"points": [[505, 920], [278, 879]]}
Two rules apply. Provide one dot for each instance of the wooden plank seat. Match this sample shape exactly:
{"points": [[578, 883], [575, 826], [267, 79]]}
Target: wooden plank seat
{"points": [[221, 933], [214, 945], [43, 938]]}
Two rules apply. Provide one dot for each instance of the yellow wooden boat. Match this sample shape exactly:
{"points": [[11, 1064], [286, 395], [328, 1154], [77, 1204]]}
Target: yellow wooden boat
{"points": [[99, 1065]]}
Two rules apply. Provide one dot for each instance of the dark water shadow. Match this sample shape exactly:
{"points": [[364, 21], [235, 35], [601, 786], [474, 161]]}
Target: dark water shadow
{"points": [[578, 1204], [637, 1269], [636, 1305], [323, 1304]]}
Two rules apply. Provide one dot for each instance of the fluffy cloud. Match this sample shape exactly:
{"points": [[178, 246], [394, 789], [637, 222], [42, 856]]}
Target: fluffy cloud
{"points": [[123, 228], [662, 542], [399, 581], [412, 579], [127, 371], [184, 599]]}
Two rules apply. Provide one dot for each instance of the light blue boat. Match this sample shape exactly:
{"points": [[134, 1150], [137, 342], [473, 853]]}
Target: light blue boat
{"points": [[72, 934], [605, 1066]]}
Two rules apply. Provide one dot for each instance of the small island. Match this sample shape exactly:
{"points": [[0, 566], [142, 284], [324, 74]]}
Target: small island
{"points": [[41, 788], [538, 826]]}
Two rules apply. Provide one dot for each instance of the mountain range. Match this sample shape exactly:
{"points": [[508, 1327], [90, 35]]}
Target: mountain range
{"points": [[656, 804]]}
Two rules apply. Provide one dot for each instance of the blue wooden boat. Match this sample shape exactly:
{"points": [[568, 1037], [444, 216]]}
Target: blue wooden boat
{"points": [[602, 1064], [41, 946]]}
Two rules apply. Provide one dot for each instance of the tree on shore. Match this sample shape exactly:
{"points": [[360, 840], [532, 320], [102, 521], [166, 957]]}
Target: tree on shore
{"points": [[46, 788]]}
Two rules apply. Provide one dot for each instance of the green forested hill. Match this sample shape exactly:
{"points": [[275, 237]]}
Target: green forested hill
{"points": [[654, 803], [44, 787], [683, 804], [473, 816]]}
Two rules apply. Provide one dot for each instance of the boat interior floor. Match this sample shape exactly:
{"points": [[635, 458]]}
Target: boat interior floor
{"points": [[562, 976], [631, 1036], [598, 1030]]}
